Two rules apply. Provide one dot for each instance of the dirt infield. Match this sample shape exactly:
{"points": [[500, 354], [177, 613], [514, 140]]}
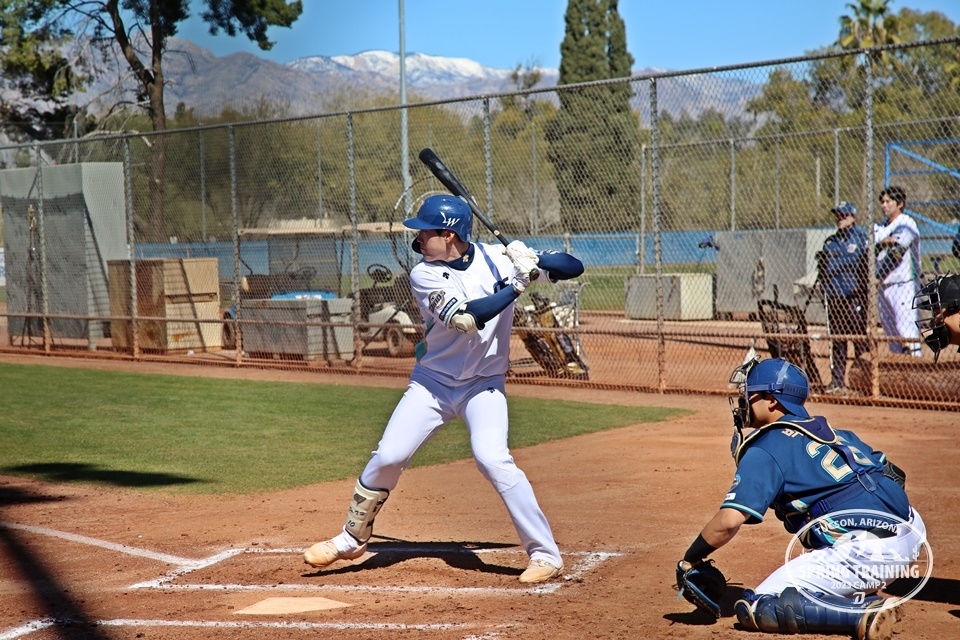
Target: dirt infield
{"points": [[89, 562]]}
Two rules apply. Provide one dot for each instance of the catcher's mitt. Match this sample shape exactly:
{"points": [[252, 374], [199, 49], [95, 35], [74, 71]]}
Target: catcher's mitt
{"points": [[703, 585]]}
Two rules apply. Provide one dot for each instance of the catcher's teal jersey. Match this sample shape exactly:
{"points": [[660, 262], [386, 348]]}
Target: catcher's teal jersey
{"points": [[785, 469]]}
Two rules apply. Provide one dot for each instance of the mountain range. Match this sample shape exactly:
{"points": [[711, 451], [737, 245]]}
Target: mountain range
{"points": [[319, 84]]}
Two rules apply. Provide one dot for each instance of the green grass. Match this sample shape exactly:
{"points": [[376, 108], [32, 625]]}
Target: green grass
{"points": [[209, 435]]}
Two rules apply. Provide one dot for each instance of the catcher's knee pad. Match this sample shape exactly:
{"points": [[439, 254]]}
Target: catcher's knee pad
{"points": [[364, 507], [793, 612]]}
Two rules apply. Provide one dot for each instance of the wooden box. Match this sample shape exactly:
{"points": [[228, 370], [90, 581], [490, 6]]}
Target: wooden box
{"points": [[172, 295]]}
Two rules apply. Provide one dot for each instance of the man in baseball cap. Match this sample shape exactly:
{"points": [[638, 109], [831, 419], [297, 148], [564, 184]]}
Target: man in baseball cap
{"points": [[843, 271], [939, 304]]}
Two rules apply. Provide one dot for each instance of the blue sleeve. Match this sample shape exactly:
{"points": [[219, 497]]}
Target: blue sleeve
{"points": [[756, 485], [486, 309], [561, 266]]}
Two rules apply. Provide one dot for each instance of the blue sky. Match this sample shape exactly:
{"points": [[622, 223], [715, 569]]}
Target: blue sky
{"points": [[669, 34]]}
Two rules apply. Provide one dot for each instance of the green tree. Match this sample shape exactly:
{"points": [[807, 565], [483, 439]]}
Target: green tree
{"points": [[35, 78], [871, 24], [594, 138], [138, 30]]}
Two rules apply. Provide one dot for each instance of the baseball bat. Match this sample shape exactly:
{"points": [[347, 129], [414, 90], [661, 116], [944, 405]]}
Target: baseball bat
{"points": [[454, 186]]}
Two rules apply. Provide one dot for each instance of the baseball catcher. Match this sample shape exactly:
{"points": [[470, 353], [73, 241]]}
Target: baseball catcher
{"points": [[813, 477]]}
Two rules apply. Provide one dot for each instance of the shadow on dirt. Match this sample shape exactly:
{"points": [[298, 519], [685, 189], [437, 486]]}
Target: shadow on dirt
{"points": [[459, 555], [697, 617], [51, 595], [84, 472], [945, 590]]}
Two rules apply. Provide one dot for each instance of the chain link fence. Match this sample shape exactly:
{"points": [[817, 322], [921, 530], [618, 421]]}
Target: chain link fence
{"points": [[699, 202]]}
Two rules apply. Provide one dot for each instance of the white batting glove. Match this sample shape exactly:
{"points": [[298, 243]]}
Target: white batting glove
{"points": [[524, 268], [521, 279], [517, 249]]}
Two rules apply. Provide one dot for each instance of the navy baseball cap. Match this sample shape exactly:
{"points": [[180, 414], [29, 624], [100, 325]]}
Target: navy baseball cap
{"points": [[845, 209]]}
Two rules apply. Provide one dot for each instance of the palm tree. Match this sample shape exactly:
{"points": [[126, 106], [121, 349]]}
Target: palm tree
{"points": [[871, 24]]}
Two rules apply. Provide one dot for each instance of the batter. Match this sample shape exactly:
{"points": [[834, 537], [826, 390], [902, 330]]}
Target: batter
{"points": [[466, 292]]}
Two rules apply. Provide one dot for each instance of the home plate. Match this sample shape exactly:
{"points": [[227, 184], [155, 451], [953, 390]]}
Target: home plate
{"points": [[273, 606]]}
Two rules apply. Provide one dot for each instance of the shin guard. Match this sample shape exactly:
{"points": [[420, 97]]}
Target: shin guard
{"points": [[364, 507], [792, 612]]}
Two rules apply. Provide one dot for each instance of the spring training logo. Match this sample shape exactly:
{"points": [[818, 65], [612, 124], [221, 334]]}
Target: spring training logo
{"points": [[864, 559]]}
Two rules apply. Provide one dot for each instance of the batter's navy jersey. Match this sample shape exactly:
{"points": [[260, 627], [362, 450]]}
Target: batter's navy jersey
{"points": [[786, 469]]}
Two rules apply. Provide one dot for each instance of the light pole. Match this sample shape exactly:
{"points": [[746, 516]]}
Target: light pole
{"points": [[404, 141]]}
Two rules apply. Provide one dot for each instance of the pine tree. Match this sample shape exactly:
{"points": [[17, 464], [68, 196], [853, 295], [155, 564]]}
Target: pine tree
{"points": [[594, 139]]}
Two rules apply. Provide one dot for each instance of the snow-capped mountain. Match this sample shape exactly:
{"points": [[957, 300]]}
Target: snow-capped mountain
{"points": [[318, 84], [422, 69]]}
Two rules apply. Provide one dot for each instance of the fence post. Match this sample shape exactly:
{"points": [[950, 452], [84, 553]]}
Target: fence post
{"points": [[641, 249], [536, 199], [733, 185], [320, 213], [871, 291], [131, 248], [488, 155], [657, 253], [203, 186], [776, 182], [354, 246], [235, 215], [836, 167], [42, 240]]}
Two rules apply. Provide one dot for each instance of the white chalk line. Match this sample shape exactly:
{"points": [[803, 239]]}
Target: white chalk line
{"points": [[589, 561], [27, 629], [113, 546], [45, 623]]}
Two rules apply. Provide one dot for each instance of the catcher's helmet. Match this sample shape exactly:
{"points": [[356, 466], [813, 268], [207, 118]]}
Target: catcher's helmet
{"points": [[443, 212], [938, 297], [786, 381]]}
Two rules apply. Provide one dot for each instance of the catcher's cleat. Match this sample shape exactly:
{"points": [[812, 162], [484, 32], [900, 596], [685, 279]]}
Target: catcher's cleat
{"points": [[540, 571], [877, 625], [326, 553]]}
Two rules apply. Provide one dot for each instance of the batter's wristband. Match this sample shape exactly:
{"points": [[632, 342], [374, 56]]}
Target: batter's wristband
{"points": [[699, 550]]}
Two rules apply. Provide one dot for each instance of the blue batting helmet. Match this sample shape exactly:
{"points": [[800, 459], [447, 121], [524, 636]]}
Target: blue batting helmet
{"points": [[443, 212]]}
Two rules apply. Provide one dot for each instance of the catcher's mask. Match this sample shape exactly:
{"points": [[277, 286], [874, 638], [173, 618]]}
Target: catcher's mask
{"points": [[937, 298], [784, 380]]}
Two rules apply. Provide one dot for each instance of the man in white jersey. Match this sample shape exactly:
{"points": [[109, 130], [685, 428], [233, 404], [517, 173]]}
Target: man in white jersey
{"points": [[466, 292], [898, 270]]}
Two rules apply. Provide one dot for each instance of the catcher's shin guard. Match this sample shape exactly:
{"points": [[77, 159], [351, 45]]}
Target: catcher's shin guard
{"points": [[364, 507], [792, 612]]}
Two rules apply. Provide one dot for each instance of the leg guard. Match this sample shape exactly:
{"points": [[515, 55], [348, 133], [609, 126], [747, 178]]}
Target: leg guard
{"points": [[792, 612], [363, 509]]}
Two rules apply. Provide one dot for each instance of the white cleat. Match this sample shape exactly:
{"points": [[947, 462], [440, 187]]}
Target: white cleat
{"points": [[326, 553], [540, 571]]}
